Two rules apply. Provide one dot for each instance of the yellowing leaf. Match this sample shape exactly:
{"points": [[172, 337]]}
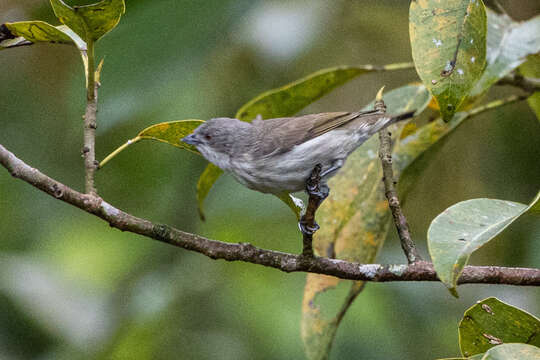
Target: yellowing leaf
{"points": [[168, 132], [354, 220], [171, 132], [205, 183], [448, 40], [291, 98]]}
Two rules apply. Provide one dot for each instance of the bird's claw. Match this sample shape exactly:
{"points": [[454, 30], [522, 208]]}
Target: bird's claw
{"points": [[307, 229], [317, 191], [321, 192], [314, 186]]}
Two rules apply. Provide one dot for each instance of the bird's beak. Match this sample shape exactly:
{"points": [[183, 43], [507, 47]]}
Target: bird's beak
{"points": [[191, 140]]}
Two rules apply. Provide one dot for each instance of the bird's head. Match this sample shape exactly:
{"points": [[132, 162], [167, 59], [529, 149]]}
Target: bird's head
{"points": [[215, 138]]}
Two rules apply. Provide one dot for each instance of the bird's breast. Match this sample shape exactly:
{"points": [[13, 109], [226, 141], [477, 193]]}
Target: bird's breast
{"points": [[288, 171]]}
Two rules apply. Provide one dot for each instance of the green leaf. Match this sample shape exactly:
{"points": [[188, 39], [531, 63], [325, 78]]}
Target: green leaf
{"points": [[291, 98], [205, 183], [354, 220], [207, 179], [463, 228], [448, 41], [171, 132], [90, 22], [287, 101], [513, 352], [508, 45], [531, 68], [167, 132], [491, 322], [40, 31]]}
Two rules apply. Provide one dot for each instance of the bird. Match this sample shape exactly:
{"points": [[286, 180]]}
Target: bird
{"points": [[278, 155]]}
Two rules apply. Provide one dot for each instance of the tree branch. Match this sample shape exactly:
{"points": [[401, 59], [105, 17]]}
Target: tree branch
{"points": [[400, 221], [419, 271]]}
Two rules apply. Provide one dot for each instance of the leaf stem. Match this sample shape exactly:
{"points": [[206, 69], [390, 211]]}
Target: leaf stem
{"points": [[398, 66], [118, 150], [496, 103]]}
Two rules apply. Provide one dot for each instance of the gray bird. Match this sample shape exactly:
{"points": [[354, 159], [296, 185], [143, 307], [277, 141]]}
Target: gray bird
{"points": [[279, 155]]}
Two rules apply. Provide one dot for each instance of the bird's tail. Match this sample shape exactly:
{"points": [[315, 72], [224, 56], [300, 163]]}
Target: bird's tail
{"points": [[384, 121], [403, 116]]}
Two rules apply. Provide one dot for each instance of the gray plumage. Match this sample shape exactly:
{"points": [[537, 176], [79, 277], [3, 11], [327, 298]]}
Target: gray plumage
{"points": [[278, 155]]}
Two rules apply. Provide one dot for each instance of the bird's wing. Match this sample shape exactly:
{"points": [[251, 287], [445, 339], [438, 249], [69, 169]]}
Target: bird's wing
{"points": [[325, 124], [281, 134]]}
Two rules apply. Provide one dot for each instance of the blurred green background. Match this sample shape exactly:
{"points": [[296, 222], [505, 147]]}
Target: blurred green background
{"points": [[73, 288]]}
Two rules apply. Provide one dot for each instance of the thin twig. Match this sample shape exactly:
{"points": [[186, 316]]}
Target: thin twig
{"points": [[495, 104], [90, 123], [528, 84], [419, 271], [385, 154]]}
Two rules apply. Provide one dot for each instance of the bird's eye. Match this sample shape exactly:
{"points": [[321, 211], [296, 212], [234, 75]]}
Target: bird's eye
{"points": [[208, 137]]}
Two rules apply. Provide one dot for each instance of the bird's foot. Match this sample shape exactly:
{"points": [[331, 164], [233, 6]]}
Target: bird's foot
{"points": [[314, 186], [312, 183], [322, 192], [308, 227], [317, 191]]}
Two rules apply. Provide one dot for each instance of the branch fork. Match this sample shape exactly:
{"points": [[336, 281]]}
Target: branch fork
{"points": [[419, 271]]}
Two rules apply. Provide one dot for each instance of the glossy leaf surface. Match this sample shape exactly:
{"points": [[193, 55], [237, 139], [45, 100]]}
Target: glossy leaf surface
{"points": [[92, 21], [448, 41], [465, 227], [513, 352], [491, 322], [508, 45]]}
